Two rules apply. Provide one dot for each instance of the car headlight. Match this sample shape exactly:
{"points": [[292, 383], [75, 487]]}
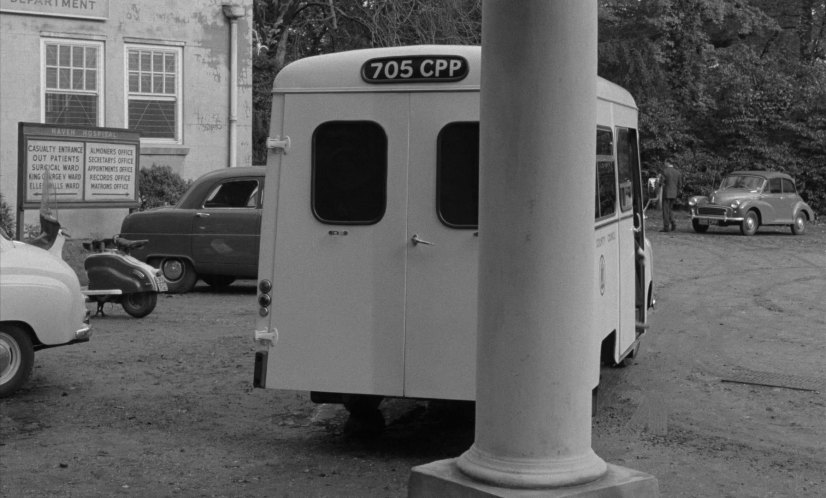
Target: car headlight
{"points": [[735, 204], [692, 201]]}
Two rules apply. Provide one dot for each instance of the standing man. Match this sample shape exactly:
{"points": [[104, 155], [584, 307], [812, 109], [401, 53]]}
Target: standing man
{"points": [[672, 183]]}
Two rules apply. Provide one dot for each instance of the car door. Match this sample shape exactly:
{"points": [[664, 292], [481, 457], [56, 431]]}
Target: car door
{"points": [[772, 201], [788, 201], [225, 229]]}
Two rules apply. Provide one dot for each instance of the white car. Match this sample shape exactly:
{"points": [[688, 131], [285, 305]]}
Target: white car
{"points": [[41, 306]]}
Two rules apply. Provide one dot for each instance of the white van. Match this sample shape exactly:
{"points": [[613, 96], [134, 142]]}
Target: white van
{"points": [[369, 238]]}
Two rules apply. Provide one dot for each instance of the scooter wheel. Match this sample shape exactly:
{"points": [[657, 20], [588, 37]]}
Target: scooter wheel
{"points": [[139, 304]]}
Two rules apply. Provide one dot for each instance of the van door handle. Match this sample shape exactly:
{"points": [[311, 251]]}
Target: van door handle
{"points": [[202, 215], [416, 241]]}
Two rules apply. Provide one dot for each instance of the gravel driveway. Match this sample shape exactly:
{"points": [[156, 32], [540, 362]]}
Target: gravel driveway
{"points": [[726, 398]]}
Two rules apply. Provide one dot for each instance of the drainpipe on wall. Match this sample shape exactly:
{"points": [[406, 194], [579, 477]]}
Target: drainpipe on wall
{"points": [[233, 13]]}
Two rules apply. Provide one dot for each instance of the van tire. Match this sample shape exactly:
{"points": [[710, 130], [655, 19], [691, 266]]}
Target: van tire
{"points": [[218, 281], [365, 420], [16, 358]]}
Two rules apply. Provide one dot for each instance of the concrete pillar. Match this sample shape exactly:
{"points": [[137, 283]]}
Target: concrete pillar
{"points": [[536, 238], [536, 351]]}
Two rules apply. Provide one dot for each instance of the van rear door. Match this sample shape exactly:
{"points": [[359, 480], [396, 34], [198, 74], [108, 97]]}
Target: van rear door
{"points": [[338, 269], [440, 313]]}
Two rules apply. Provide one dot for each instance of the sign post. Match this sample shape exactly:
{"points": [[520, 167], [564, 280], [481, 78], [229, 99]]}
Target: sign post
{"points": [[535, 350], [89, 167]]}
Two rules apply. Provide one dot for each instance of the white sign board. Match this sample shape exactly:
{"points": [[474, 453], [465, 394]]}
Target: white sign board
{"points": [[89, 167]]}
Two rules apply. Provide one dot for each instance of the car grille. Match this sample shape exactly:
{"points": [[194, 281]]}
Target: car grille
{"points": [[711, 211]]}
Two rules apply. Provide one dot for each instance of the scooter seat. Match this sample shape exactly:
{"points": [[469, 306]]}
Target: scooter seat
{"points": [[126, 244]]}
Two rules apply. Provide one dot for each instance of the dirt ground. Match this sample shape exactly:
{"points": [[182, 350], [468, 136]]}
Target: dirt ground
{"points": [[164, 406]]}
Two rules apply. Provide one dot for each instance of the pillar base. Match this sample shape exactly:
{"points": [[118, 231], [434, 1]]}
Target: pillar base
{"points": [[444, 479]]}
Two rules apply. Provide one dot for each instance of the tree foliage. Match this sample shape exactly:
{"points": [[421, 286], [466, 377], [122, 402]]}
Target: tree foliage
{"points": [[721, 84], [160, 186]]}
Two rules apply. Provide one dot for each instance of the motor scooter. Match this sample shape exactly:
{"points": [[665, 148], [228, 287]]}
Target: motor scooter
{"points": [[117, 277], [114, 275]]}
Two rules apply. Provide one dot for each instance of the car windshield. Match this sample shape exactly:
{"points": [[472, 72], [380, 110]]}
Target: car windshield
{"points": [[746, 182]]}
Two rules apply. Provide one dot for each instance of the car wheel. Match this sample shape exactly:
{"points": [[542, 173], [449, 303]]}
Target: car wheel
{"points": [[218, 281], [749, 224], [139, 304], [698, 227], [799, 225], [16, 358], [179, 274]]}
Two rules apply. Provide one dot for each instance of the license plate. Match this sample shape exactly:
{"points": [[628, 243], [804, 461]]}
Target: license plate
{"points": [[161, 285], [702, 221]]}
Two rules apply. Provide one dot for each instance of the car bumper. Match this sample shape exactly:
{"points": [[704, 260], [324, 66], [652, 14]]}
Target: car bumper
{"points": [[85, 332], [716, 213]]}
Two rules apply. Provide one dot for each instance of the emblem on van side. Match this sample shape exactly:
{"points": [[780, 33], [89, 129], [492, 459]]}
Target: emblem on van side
{"points": [[419, 69]]}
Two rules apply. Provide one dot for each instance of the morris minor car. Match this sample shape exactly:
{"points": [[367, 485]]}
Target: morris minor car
{"points": [[212, 233], [751, 199]]}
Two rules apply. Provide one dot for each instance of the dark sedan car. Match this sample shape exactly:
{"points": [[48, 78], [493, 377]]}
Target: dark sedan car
{"points": [[750, 199], [212, 233]]}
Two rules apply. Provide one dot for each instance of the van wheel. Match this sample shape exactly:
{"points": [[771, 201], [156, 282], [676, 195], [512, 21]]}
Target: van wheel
{"points": [[179, 274], [218, 281], [749, 224], [365, 418], [139, 304], [16, 358], [799, 225]]}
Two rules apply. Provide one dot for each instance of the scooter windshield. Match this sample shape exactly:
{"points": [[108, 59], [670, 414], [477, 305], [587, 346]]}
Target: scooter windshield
{"points": [[49, 226]]}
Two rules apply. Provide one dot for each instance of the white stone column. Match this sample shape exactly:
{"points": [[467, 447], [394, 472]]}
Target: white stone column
{"points": [[536, 236]]}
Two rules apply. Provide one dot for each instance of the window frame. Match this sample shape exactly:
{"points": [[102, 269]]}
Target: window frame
{"points": [[177, 97], [440, 179], [256, 194], [603, 159], [100, 67], [314, 194], [785, 182]]}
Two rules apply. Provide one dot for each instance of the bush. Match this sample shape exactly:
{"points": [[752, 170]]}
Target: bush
{"points": [[160, 186], [6, 217]]}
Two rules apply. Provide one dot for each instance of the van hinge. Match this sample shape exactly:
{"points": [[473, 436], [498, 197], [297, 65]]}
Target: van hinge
{"points": [[282, 144], [266, 338]]}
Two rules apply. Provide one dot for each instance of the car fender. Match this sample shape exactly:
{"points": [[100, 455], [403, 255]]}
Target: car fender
{"points": [[802, 206], [43, 292]]}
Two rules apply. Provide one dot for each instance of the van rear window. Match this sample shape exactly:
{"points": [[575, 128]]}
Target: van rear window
{"points": [[349, 173], [457, 196]]}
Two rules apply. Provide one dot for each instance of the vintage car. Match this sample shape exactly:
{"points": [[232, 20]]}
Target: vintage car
{"points": [[212, 233], [751, 199], [41, 307]]}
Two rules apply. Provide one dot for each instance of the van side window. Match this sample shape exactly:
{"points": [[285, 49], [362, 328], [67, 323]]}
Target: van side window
{"points": [[457, 183], [606, 178], [349, 173], [627, 159]]}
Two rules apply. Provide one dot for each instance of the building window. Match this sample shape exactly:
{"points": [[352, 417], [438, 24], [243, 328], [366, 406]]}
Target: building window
{"points": [[349, 172], [72, 82], [153, 88]]}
